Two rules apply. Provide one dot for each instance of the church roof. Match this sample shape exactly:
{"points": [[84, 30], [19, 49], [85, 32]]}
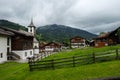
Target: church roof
{"points": [[35, 40], [31, 24]]}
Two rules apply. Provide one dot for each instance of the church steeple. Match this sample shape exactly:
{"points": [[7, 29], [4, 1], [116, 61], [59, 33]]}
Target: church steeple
{"points": [[31, 24], [31, 27]]}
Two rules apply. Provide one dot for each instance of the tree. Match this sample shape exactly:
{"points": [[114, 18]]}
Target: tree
{"points": [[38, 36], [102, 33]]}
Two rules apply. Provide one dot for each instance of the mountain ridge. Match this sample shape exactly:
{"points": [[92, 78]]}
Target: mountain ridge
{"points": [[54, 32], [9, 24], [63, 32]]}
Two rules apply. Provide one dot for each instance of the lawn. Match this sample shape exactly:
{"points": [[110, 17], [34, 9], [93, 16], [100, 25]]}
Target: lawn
{"points": [[78, 52], [17, 71], [20, 71]]}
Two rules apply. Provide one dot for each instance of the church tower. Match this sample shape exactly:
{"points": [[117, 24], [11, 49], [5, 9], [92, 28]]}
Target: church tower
{"points": [[32, 28]]}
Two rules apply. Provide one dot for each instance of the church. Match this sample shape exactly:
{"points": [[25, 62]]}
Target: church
{"points": [[18, 44], [32, 30]]}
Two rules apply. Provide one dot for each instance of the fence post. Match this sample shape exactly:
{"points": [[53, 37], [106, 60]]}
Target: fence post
{"points": [[44, 54], [94, 60], [117, 56], [73, 61], [52, 64], [41, 55], [30, 63]]}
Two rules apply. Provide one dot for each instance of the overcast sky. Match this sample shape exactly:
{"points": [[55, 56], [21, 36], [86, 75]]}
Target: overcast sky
{"points": [[92, 15]]}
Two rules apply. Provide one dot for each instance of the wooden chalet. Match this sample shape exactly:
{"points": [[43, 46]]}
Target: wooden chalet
{"points": [[21, 44], [110, 38], [51, 47], [77, 42], [42, 46]]}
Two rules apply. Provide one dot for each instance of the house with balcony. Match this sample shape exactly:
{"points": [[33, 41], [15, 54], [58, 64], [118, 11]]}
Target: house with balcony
{"points": [[77, 42], [107, 39], [51, 47]]}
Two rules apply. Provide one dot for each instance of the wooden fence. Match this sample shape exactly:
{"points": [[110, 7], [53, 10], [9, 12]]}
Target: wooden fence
{"points": [[73, 61]]}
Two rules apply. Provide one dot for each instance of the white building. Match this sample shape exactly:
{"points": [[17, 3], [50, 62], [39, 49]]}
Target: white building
{"points": [[20, 44], [5, 44]]}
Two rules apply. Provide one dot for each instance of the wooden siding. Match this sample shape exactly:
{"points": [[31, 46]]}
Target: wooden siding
{"points": [[20, 42]]}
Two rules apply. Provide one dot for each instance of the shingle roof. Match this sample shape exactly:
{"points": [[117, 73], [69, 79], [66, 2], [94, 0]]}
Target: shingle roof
{"points": [[76, 37], [107, 34], [35, 40], [104, 35], [8, 31]]}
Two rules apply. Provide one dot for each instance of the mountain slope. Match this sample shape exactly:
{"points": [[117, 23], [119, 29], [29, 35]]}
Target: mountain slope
{"points": [[61, 33], [8, 24]]}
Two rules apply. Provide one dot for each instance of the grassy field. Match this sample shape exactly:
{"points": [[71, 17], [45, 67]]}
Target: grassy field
{"points": [[20, 71], [17, 71], [78, 52]]}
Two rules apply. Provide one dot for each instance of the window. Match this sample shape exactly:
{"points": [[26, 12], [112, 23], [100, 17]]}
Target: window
{"points": [[30, 52], [35, 47], [8, 40], [1, 55], [8, 50], [30, 29], [25, 53]]}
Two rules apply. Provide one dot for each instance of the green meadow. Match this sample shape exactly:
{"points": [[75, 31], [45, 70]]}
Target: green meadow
{"points": [[17, 71], [84, 51], [20, 71]]}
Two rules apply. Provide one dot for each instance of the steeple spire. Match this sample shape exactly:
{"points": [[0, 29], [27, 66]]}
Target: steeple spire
{"points": [[31, 24]]}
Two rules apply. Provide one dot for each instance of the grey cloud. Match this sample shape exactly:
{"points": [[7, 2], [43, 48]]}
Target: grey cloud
{"points": [[91, 15]]}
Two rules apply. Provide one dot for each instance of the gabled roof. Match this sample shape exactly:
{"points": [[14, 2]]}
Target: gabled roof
{"points": [[43, 45], [52, 43], [21, 32], [77, 37], [104, 35], [107, 34], [7, 33]]}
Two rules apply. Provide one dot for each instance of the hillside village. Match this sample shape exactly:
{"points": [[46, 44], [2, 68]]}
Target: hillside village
{"points": [[59, 39], [19, 45]]}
